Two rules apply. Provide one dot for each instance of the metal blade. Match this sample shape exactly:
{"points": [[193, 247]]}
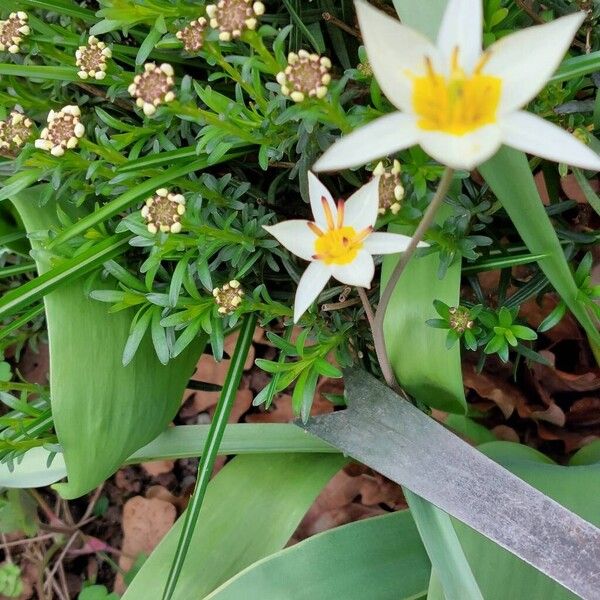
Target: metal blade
{"points": [[385, 432]]}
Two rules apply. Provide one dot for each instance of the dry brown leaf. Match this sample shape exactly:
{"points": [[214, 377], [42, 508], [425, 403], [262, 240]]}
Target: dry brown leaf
{"points": [[495, 388], [573, 190], [585, 411], [508, 434], [158, 467], [555, 380], [145, 523], [535, 313]]}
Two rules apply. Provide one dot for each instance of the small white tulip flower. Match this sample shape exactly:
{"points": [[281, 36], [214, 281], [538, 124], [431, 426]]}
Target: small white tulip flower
{"points": [[458, 102], [339, 243]]}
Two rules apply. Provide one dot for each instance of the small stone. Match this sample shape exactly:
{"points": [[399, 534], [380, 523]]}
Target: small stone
{"points": [[92, 59], [63, 131], [153, 87], [306, 76], [229, 297], [15, 132], [233, 17], [391, 190], [192, 35], [163, 211], [12, 32]]}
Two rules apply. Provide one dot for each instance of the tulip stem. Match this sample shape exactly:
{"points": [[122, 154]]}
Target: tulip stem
{"points": [[367, 306], [418, 236]]}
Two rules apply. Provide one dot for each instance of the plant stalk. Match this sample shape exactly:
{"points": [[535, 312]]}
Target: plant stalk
{"points": [[417, 237], [211, 448]]}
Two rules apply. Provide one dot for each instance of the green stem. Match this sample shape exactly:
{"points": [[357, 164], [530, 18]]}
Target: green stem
{"points": [[418, 236], [235, 75], [211, 448], [254, 39]]}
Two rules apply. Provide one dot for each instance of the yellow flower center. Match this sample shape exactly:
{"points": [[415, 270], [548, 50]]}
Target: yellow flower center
{"points": [[340, 243], [458, 103]]}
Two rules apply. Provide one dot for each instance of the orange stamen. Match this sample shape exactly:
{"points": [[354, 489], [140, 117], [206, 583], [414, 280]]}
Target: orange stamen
{"points": [[315, 229], [364, 234], [430, 70], [328, 213], [340, 214], [455, 64], [485, 57]]}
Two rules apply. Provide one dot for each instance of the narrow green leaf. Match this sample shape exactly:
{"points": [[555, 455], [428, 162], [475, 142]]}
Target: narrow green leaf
{"points": [[586, 188], [443, 547], [133, 195], [67, 271], [19, 181], [378, 559], [510, 178]]}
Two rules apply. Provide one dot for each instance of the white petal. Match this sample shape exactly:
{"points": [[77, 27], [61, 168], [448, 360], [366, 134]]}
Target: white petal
{"points": [[525, 60], [296, 236], [461, 28], [388, 243], [395, 53], [311, 283], [361, 209], [462, 151], [316, 192], [530, 133], [359, 272], [384, 136]]}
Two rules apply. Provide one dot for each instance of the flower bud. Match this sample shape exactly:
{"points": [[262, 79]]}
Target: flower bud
{"points": [[192, 35], [163, 211], [153, 87], [228, 297], [232, 17], [63, 131], [306, 76], [15, 131], [91, 59], [13, 31], [391, 190]]}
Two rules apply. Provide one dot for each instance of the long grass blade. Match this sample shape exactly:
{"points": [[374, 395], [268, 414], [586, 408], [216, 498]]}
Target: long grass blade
{"points": [[211, 448]]}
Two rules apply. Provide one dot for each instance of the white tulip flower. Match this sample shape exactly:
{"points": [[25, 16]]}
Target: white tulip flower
{"points": [[339, 242], [459, 103]]}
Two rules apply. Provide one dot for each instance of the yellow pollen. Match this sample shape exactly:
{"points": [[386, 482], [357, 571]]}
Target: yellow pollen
{"points": [[338, 244], [458, 103]]}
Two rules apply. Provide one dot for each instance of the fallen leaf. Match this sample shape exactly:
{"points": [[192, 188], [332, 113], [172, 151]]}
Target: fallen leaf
{"points": [[145, 522], [158, 467], [493, 387]]}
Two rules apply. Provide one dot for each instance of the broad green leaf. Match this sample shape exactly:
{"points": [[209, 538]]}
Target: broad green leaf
{"points": [[250, 511], [32, 470], [103, 411], [184, 441], [509, 176], [425, 368], [448, 560], [378, 559], [499, 573]]}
